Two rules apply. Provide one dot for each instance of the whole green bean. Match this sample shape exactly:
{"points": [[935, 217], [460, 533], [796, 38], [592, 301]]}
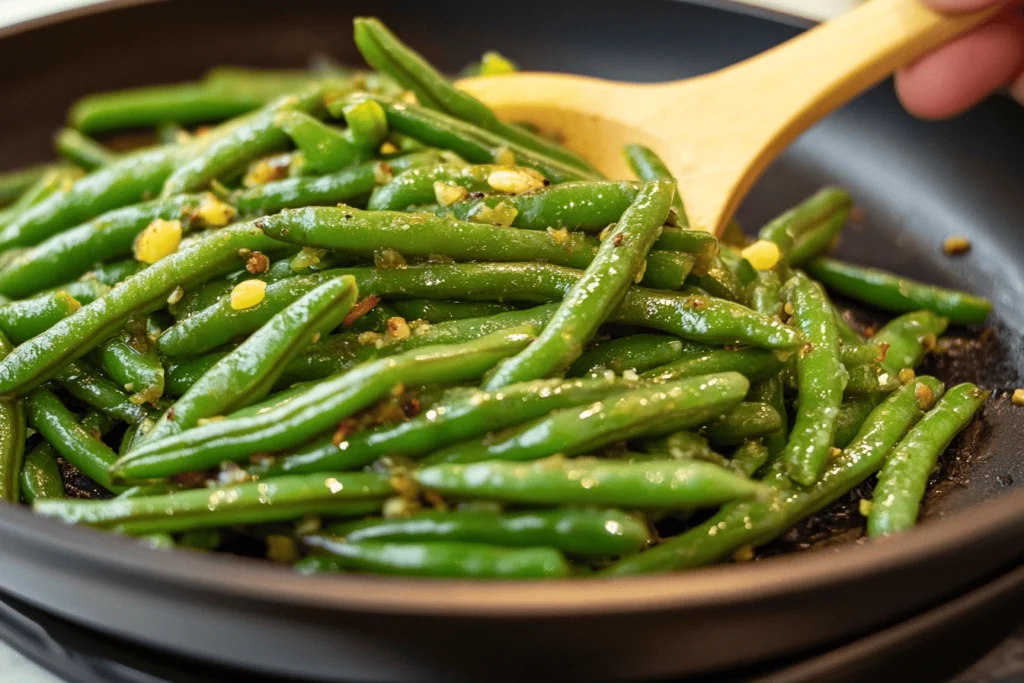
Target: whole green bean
{"points": [[26, 319], [444, 311], [745, 421], [40, 475], [618, 262], [766, 299], [325, 149], [269, 500], [827, 209], [896, 500], [366, 232], [852, 414], [898, 294], [386, 53], [646, 165], [110, 274], [590, 481], [81, 150], [636, 353], [62, 430], [583, 531], [14, 183], [88, 386], [689, 315], [134, 365], [908, 339], [822, 380], [42, 357], [98, 423], [681, 445], [461, 414], [320, 408], [819, 240], [869, 378], [756, 364], [437, 559], [246, 374], [754, 523], [73, 252], [647, 411], [12, 438], [55, 180], [416, 186], [348, 185]]}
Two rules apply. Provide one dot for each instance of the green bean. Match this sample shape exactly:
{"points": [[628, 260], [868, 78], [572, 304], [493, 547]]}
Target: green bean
{"points": [[461, 414], [257, 135], [819, 240], [88, 386], [634, 353], [681, 445], [852, 415], [324, 149], [12, 438], [584, 531], [745, 421], [618, 262], [73, 252], [750, 457], [419, 234], [416, 186], [24, 320], [42, 357], [721, 282], [110, 274], [898, 294], [388, 54], [134, 365], [246, 374], [756, 364], [446, 311], [53, 181], [367, 123], [766, 298], [62, 430], [13, 184], [869, 378], [646, 165], [896, 500], [40, 475], [320, 408], [81, 150], [347, 185], [590, 481], [82, 291], [437, 559], [826, 211], [650, 410], [754, 523], [98, 423], [908, 339], [822, 380], [269, 500]]}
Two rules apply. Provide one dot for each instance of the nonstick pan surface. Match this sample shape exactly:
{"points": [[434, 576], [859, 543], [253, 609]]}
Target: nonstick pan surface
{"points": [[916, 184]]}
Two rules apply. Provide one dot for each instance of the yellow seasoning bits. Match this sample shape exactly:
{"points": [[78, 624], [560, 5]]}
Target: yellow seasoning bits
{"points": [[1018, 397], [762, 254], [505, 157], [160, 238], [388, 147], [214, 213], [267, 170], [956, 246], [907, 375], [397, 329], [176, 295], [744, 554], [496, 64], [864, 507], [248, 293], [449, 193], [515, 180]]}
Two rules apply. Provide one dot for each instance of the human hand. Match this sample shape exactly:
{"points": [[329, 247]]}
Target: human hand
{"points": [[959, 75]]}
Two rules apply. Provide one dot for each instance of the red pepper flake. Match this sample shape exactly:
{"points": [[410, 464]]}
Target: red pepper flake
{"points": [[697, 303], [883, 352], [344, 430], [170, 414], [618, 240], [361, 308], [412, 407]]}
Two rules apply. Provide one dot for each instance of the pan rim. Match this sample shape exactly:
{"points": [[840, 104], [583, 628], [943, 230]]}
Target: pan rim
{"points": [[238, 578]]}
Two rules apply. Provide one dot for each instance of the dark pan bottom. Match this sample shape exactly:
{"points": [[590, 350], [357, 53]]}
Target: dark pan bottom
{"points": [[932, 647]]}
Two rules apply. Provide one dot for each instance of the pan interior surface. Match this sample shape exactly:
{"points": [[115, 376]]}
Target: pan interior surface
{"points": [[916, 184]]}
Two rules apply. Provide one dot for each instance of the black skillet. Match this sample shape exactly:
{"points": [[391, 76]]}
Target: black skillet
{"points": [[916, 184]]}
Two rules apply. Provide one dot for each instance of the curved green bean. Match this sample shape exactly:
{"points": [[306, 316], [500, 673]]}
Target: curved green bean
{"points": [[81, 150], [908, 339], [745, 421], [40, 475], [26, 319], [88, 386], [635, 353], [12, 439], [755, 364]]}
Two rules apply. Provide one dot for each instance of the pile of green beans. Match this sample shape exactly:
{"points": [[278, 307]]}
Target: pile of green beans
{"points": [[367, 325]]}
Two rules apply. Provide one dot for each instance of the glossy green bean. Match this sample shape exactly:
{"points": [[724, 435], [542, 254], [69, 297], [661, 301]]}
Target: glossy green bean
{"points": [[40, 476], [648, 166], [320, 408], [635, 353], [23, 320], [348, 185], [81, 150], [809, 215], [56, 179], [755, 364], [247, 374], [416, 186], [62, 430], [269, 500], [88, 386], [750, 457], [852, 414], [98, 423], [745, 421], [898, 294], [324, 149], [134, 365], [386, 53], [436, 559], [461, 414], [584, 531], [908, 339], [14, 183], [73, 252], [754, 523], [42, 357], [766, 298], [896, 500], [818, 240], [110, 274], [617, 263], [420, 234], [650, 410], [590, 481], [445, 311], [12, 438], [681, 445], [822, 380]]}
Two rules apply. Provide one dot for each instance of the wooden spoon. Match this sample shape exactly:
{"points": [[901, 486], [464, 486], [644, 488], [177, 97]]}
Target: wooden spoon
{"points": [[718, 132]]}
